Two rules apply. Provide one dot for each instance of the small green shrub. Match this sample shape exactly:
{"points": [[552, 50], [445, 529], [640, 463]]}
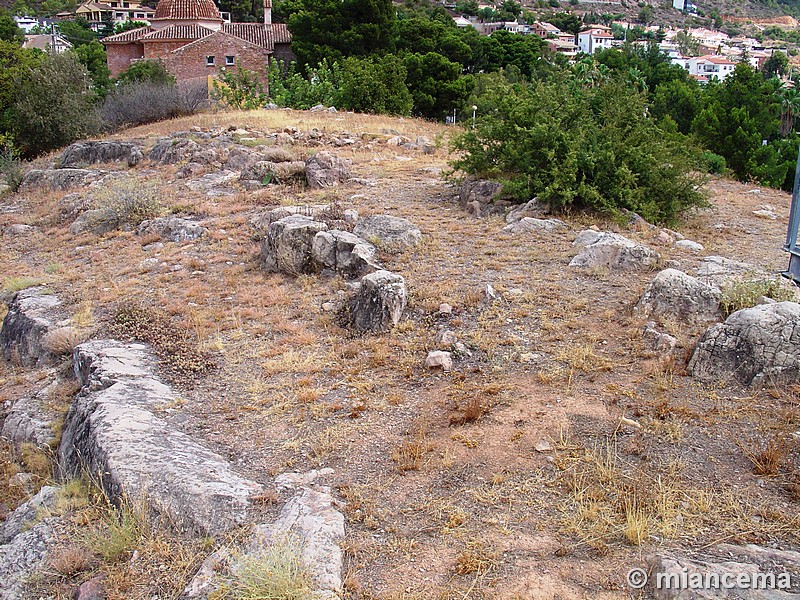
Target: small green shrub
{"points": [[119, 531], [714, 163], [130, 200], [746, 294], [240, 89], [275, 573]]}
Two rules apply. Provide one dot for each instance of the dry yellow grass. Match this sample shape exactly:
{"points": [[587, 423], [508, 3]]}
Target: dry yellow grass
{"points": [[291, 389]]}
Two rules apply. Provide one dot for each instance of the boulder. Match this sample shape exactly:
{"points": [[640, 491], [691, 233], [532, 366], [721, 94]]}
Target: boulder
{"points": [[676, 295], [19, 230], [31, 420], [59, 179], [213, 183], [662, 344], [614, 251], [173, 229], [690, 245], [325, 169], [276, 155], [261, 221], [344, 252], [754, 346], [720, 271], [275, 172], [111, 431], [484, 193], [93, 152], [532, 208], [387, 232], [168, 151], [97, 221], [439, 359], [379, 302], [32, 313], [22, 558], [529, 224], [287, 246], [27, 513], [311, 518]]}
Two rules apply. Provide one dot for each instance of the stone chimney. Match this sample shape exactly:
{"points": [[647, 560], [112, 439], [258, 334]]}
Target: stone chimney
{"points": [[267, 12]]}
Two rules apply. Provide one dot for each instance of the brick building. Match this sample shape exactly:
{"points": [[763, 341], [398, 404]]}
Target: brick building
{"points": [[192, 40]]}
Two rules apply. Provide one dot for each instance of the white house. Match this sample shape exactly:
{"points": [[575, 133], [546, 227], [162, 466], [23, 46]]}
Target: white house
{"points": [[686, 5], [711, 67], [27, 23], [597, 37]]}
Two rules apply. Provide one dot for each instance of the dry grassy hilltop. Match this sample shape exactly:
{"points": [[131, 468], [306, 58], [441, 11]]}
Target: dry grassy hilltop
{"points": [[559, 452]]}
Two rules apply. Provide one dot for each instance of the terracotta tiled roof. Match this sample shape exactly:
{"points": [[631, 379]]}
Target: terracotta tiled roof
{"points": [[178, 33], [187, 10], [265, 36], [126, 37]]}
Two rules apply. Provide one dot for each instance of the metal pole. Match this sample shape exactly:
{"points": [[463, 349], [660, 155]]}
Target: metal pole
{"points": [[794, 213]]}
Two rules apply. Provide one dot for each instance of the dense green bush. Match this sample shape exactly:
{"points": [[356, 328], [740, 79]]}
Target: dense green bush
{"points": [[240, 89], [54, 105], [714, 163], [374, 86], [593, 148]]}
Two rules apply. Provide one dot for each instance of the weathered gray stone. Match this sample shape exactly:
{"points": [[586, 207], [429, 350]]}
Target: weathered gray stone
{"points": [[379, 303], [276, 172], [21, 558], [532, 208], [106, 151], [529, 224], [662, 344], [668, 574], [720, 271], [98, 221], [588, 236], [212, 181], [345, 253], [32, 313], [19, 230], [31, 420], [614, 251], [478, 190], [325, 169], [173, 229], [59, 179], [311, 517], [287, 247], [754, 346], [439, 359], [676, 295], [168, 151], [390, 233], [111, 430], [690, 245], [27, 513]]}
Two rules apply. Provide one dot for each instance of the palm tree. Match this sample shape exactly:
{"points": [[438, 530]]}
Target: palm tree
{"points": [[637, 79], [790, 109]]}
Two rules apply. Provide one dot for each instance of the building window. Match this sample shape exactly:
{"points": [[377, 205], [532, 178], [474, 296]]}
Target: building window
{"points": [[209, 61], [229, 61]]}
